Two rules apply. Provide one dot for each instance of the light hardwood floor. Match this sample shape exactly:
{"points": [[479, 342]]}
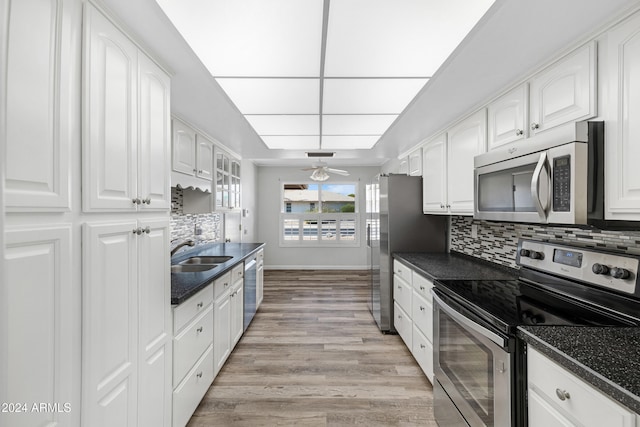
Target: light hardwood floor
{"points": [[313, 356]]}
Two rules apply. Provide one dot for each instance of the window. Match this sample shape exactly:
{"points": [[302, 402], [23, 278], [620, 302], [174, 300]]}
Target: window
{"points": [[314, 214]]}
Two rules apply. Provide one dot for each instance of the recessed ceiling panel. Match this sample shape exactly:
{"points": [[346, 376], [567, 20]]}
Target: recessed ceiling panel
{"points": [[292, 142], [403, 38], [348, 124], [273, 96], [255, 38], [369, 96], [349, 142], [285, 124]]}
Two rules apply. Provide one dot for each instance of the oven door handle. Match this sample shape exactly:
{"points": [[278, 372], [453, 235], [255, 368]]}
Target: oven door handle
{"points": [[469, 323]]}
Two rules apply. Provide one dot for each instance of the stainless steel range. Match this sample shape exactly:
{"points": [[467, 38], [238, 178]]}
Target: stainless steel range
{"points": [[479, 362]]}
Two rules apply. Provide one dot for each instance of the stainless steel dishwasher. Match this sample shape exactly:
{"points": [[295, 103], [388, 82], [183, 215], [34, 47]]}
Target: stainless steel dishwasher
{"points": [[250, 267]]}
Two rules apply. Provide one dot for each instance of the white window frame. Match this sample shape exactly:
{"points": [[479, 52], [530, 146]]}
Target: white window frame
{"points": [[319, 242]]}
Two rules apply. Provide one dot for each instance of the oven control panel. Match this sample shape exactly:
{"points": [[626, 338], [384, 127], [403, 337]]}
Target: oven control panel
{"points": [[618, 272]]}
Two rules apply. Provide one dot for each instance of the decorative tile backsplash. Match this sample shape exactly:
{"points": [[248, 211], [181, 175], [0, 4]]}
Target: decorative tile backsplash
{"points": [[183, 226], [498, 241]]}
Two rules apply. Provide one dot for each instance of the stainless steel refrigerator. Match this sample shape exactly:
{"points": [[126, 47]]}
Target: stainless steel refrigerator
{"points": [[395, 223]]}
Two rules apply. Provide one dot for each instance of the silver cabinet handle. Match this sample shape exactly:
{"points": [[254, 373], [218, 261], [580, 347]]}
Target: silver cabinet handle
{"points": [[422, 288], [147, 230], [441, 205], [147, 201], [448, 206], [535, 126], [199, 329], [519, 132], [136, 201], [199, 374], [423, 346], [199, 170], [562, 394], [137, 231], [226, 284], [421, 308], [200, 304]]}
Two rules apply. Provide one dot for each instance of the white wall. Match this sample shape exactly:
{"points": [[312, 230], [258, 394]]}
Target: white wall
{"points": [[4, 25], [270, 180], [249, 195]]}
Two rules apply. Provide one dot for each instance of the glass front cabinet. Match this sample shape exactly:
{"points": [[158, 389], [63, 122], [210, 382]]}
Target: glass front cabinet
{"points": [[227, 182]]}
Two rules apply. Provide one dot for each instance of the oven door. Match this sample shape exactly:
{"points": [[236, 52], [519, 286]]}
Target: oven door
{"points": [[473, 367]]}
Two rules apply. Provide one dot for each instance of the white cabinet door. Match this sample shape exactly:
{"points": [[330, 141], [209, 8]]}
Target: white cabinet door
{"points": [[564, 92], [39, 116], [110, 112], [221, 331], [44, 333], [204, 158], [415, 162], [434, 175], [466, 140], [623, 122], [237, 312], [155, 329], [184, 148], [154, 180], [110, 325], [507, 117]]}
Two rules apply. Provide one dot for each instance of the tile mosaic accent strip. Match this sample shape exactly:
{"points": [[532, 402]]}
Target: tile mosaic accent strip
{"points": [[184, 226], [497, 241]]}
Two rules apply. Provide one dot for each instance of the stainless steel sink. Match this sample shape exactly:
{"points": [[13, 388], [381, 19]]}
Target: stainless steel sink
{"points": [[191, 268], [205, 260]]}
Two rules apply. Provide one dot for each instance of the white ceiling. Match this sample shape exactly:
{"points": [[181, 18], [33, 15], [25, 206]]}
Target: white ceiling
{"points": [[513, 37], [318, 57]]}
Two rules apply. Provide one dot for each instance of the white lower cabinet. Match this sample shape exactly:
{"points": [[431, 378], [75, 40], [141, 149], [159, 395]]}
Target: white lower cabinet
{"points": [[126, 331], [413, 314], [237, 311], [192, 353], [556, 397], [228, 314], [43, 319]]}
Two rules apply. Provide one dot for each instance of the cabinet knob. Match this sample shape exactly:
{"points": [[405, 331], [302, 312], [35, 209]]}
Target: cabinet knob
{"points": [[195, 170], [199, 305], [421, 308], [199, 170], [136, 201], [448, 206], [226, 284], [519, 132], [146, 230], [562, 394], [199, 374], [147, 201], [423, 346], [199, 329], [137, 231], [422, 288], [441, 206], [535, 126]]}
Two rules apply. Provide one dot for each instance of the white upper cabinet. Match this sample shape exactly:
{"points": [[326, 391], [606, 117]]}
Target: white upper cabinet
{"points": [[415, 162], [507, 117], [465, 141], [434, 175], [125, 163], [192, 158], [564, 92], [184, 153], [228, 185], [622, 197], [39, 105], [204, 158], [154, 181]]}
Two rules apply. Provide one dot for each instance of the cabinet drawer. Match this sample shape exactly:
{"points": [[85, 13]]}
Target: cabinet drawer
{"points": [[190, 392], [422, 315], [402, 293], [237, 273], [189, 345], [183, 313], [221, 285], [260, 255], [422, 285], [403, 324], [423, 352], [402, 271], [585, 405]]}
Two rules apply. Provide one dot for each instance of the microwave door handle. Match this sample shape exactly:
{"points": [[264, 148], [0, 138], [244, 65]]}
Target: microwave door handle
{"points": [[535, 186]]}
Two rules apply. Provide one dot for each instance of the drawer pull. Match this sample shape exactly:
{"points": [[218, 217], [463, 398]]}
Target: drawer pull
{"points": [[199, 329], [226, 284], [562, 394], [421, 308], [199, 374], [422, 288], [200, 304], [399, 317], [422, 346]]}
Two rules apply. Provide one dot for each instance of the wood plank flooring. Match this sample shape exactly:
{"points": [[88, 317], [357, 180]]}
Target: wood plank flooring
{"points": [[313, 356]]}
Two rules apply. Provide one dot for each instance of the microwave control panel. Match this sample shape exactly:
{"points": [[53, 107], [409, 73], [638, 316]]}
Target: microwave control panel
{"points": [[562, 184]]}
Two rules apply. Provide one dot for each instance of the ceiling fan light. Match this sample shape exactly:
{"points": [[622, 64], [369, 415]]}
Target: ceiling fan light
{"points": [[319, 175]]}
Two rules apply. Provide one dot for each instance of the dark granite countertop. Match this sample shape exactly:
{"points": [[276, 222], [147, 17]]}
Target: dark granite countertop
{"points": [[606, 357], [184, 285], [454, 266]]}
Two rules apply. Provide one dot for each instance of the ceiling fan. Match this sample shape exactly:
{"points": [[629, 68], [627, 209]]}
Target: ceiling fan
{"points": [[321, 171]]}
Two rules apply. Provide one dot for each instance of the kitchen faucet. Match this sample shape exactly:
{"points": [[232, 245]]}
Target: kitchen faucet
{"points": [[187, 242]]}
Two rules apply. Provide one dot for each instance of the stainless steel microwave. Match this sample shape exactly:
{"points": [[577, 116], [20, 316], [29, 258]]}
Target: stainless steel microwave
{"points": [[548, 179]]}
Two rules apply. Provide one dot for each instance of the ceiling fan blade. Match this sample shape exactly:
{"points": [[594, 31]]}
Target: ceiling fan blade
{"points": [[338, 172]]}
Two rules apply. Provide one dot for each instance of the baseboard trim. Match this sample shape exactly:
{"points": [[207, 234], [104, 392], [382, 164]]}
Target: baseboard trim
{"points": [[316, 267]]}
